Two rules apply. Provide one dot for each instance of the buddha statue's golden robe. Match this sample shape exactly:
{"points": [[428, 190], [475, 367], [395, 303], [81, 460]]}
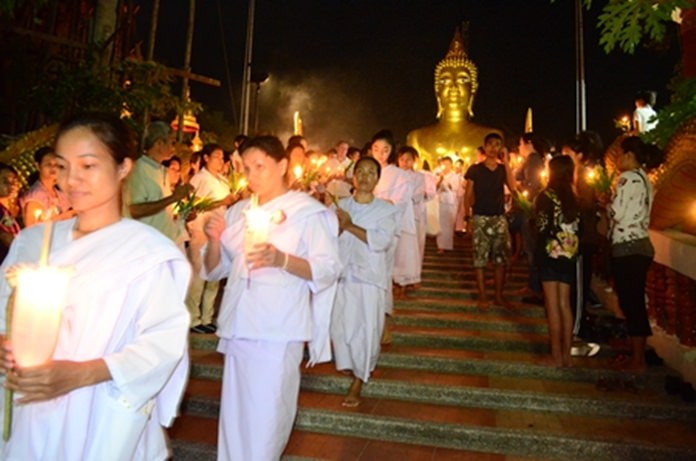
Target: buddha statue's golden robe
{"points": [[454, 134]]}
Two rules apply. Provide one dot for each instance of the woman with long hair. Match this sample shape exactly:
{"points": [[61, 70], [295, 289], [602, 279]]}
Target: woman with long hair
{"points": [[556, 221], [44, 200]]}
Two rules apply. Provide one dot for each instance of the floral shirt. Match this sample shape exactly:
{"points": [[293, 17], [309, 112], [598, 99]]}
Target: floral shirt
{"points": [[557, 240], [630, 207]]}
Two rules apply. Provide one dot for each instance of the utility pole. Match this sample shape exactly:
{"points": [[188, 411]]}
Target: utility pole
{"points": [[187, 67], [580, 95], [246, 81]]}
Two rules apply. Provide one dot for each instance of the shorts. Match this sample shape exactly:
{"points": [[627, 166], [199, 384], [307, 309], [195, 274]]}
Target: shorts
{"points": [[491, 240]]}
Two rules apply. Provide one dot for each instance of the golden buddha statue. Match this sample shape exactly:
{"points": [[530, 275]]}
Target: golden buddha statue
{"points": [[456, 84]]}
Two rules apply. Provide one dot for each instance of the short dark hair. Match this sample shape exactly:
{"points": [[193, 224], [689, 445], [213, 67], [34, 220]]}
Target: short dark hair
{"points": [[492, 135], [410, 150], [6, 167], [271, 145], [371, 160], [42, 152], [538, 142]]}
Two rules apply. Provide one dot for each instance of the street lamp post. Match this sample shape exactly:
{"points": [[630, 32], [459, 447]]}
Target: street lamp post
{"points": [[258, 79], [246, 82]]}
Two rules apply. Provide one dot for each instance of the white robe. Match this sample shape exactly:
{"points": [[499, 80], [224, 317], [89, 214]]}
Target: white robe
{"points": [[448, 210], [358, 316], [125, 305], [200, 299], [407, 257], [265, 316], [394, 186], [432, 205]]}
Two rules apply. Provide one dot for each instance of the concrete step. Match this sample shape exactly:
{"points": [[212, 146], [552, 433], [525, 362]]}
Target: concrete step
{"points": [[507, 432]]}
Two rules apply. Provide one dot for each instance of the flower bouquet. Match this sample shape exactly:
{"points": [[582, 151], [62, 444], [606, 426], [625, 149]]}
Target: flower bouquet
{"points": [[599, 179], [523, 203], [192, 203], [238, 182]]}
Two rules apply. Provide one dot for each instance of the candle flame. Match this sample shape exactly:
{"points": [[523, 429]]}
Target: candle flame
{"points": [[297, 171], [591, 175]]}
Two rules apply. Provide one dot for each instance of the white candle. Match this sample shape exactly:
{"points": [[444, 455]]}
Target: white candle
{"points": [[257, 223], [41, 295]]}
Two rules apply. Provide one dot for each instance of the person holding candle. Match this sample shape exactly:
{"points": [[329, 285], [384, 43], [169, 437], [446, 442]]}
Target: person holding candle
{"points": [[585, 149], [367, 226], [557, 226], [631, 249], [532, 148], [211, 184], [448, 185], [120, 363], [9, 228], [279, 252], [394, 187], [44, 200], [173, 166]]}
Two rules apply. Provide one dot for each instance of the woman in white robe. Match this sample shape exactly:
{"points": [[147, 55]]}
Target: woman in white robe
{"points": [[411, 256], [394, 187], [279, 294], [447, 192], [120, 364], [367, 227]]}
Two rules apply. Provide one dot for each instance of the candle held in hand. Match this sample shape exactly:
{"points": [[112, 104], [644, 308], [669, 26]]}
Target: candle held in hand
{"points": [[41, 295], [257, 223]]}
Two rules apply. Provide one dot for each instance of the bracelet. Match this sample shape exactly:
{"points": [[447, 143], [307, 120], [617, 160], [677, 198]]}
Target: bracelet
{"points": [[285, 262]]}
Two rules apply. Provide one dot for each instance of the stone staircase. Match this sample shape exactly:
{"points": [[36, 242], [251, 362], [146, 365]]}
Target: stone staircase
{"points": [[459, 383]]}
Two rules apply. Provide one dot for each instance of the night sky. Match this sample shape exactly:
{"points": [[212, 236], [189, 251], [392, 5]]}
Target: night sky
{"points": [[352, 67]]}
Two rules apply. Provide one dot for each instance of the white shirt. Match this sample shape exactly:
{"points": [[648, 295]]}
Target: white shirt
{"points": [[642, 117], [212, 186], [630, 207], [270, 303]]}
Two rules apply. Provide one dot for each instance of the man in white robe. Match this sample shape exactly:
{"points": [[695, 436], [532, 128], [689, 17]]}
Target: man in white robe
{"points": [[126, 306], [266, 316]]}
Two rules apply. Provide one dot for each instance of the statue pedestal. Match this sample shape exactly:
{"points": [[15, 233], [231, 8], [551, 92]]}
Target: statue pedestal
{"points": [[671, 291]]}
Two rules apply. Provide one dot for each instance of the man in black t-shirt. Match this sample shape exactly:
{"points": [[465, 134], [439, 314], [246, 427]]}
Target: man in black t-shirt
{"points": [[484, 205]]}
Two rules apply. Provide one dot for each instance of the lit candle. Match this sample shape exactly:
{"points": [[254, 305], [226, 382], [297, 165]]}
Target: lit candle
{"points": [[297, 171], [35, 315], [257, 223], [544, 175], [241, 184], [525, 193], [591, 175], [40, 298]]}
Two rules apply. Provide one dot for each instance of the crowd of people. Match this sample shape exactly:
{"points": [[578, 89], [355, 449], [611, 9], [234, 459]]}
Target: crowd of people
{"points": [[308, 248]]}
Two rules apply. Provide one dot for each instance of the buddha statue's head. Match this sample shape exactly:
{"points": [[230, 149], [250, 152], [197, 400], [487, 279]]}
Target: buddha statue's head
{"points": [[456, 82]]}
